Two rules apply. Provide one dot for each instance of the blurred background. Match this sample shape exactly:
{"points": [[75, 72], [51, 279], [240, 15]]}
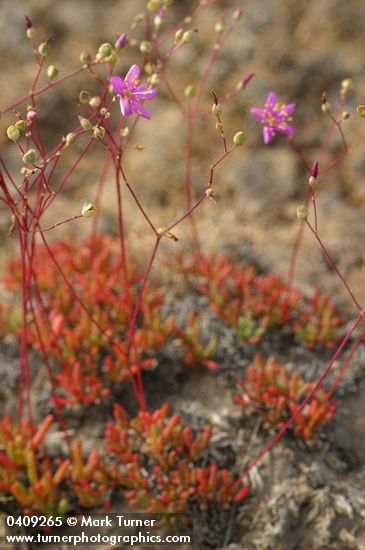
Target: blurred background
{"points": [[298, 49]]}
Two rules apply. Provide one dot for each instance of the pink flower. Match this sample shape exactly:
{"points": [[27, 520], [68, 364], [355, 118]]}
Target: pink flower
{"points": [[274, 117], [131, 94]]}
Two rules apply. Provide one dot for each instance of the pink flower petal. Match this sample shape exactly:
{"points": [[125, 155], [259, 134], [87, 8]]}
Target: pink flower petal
{"points": [[271, 100], [268, 134], [125, 107], [140, 110], [284, 128], [132, 76], [257, 113], [287, 110], [117, 84], [145, 95]]}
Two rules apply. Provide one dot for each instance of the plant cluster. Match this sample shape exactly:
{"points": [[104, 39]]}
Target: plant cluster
{"points": [[162, 464], [254, 303], [272, 392]]}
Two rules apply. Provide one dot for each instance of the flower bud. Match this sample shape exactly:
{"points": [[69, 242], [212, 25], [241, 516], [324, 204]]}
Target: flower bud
{"points": [[239, 138], [346, 84], [52, 72], [88, 210], [124, 131], [70, 138], [326, 107], [155, 80], [190, 90], [237, 15], [105, 50], [145, 47], [13, 133], [219, 127], [99, 132], [30, 157], [31, 33], [21, 124], [85, 58], [313, 182], [148, 69], [95, 101], [187, 37], [31, 114], [85, 124], [112, 58], [345, 115], [217, 109], [360, 110], [121, 42], [219, 27], [154, 5], [104, 112], [178, 36], [302, 212], [44, 49], [84, 97]]}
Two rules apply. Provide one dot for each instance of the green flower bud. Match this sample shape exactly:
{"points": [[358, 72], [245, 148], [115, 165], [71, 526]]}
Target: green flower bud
{"points": [[44, 49], [190, 90], [85, 58], [219, 27], [52, 72], [187, 37], [302, 212], [217, 109], [85, 124], [31, 33], [84, 97], [346, 84], [345, 115], [154, 5], [148, 69], [13, 133], [30, 157], [239, 138], [88, 210], [70, 138], [178, 36], [99, 132], [155, 80], [360, 110], [95, 101], [112, 58], [145, 47], [313, 182], [103, 111], [21, 124], [105, 50], [63, 507]]}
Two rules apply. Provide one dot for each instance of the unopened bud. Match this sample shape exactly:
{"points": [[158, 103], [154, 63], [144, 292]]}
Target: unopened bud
{"points": [[95, 101], [154, 5], [30, 157], [21, 125], [52, 72], [346, 84], [187, 37], [345, 115], [70, 138], [326, 107], [145, 47], [88, 210], [84, 97], [85, 58], [112, 58], [217, 109], [178, 36], [44, 49], [148, 69], [99, 132], [104, 112], [190, 90], [237, 15], [239, 138], [31, 114], [219, 127], [13, 133], [121, 42], [360, 110], [124, 132], [219, 27], [105, 50], [31, 33], [155, 80], [302, 212], [313, 182], [85, 124]]}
